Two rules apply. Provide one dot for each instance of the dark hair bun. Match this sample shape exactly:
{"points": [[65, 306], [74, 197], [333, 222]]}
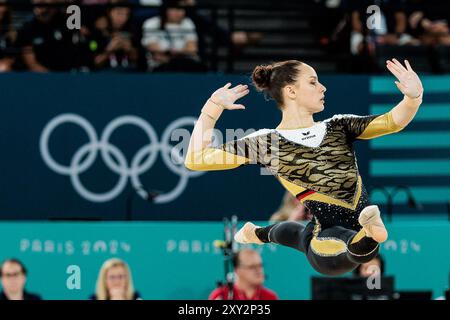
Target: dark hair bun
{"points": [[261, 77]]}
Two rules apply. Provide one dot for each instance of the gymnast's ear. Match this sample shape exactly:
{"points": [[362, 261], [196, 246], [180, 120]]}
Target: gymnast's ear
{"points": [[290, 91]]}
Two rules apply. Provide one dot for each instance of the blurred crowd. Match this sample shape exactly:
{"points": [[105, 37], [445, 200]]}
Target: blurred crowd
{"points": [[114, 35], [115, 280], [173, 35], [401, 23]]}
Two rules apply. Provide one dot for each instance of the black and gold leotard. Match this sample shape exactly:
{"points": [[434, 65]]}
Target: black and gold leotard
{"points": [[316, 164]]}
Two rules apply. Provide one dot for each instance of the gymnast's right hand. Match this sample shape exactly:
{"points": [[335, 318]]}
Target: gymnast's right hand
{"points": [[227, 96]]}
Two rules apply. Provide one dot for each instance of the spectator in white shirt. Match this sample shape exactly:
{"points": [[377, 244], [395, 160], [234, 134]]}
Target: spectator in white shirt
{"points": [[171, 40]]}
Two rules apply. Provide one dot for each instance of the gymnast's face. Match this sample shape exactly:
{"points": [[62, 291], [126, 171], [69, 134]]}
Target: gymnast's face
{"points": [[307, 92]]}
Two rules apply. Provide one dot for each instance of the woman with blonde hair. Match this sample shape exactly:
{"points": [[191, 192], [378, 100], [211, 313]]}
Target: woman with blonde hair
{"points": [[114, 282], [291, 209]]}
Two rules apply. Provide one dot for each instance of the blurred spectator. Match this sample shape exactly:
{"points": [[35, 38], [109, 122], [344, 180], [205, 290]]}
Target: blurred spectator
{"points": [[372, 268], [428, 20], [369, 29], [115, 282], [90, 2], [13, 277], [116, 39], [392, 27], [91, 14], [150, 2], [141, 14], [206, 26], [249, 272], [7, 38], [291, 209], [171, 40], [46, 43]]}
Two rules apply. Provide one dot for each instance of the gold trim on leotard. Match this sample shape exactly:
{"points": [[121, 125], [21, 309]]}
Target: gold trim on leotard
{"points": [[361, 234], [214, 159], [326, 247], [294, 190], [380, 126]]}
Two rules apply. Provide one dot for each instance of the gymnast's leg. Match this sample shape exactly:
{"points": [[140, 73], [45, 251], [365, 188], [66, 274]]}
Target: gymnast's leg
{"points": [[332, 251], [288, 233]]}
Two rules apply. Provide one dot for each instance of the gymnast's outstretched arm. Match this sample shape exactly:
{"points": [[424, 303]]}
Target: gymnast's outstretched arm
{"points": [[200, 156], [399, 116]]}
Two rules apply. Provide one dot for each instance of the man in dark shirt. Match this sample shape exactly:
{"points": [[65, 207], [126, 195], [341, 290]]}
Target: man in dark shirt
{"points": [[46, 42], [13, 278]]}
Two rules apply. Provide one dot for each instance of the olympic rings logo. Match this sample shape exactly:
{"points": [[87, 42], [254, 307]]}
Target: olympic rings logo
{"points": [[142, 161]]}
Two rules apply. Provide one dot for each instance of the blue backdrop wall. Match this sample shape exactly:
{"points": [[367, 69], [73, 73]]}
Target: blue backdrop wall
{"points": [[34, 188]]}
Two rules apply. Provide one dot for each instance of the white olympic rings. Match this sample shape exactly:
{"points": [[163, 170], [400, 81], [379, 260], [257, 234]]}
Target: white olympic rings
{"points": [[114, 158]]}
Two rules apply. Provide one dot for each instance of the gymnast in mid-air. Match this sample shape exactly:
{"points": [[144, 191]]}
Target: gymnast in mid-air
{"points": [[313, 160]]}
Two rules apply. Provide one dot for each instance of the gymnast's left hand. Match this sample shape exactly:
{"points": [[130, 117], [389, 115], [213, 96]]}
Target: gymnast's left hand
{"points": [[408, 81], [227, 96]]}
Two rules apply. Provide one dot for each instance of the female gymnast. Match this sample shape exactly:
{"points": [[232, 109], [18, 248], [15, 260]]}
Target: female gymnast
{"points": [[315, 161]]}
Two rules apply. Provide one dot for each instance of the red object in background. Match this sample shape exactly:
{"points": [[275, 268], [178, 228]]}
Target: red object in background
{"points": [[261, 294]]}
